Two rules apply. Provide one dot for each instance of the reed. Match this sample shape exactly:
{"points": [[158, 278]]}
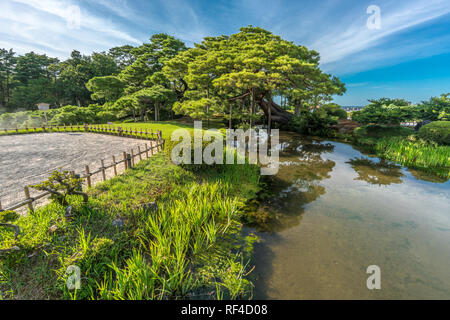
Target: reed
{"points": [[416, 153]]}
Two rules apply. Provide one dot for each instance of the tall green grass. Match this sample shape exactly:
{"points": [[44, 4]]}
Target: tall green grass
{"points": [[416, 153], [191, 247]]}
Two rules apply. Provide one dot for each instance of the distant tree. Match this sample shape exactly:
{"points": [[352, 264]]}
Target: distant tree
{"points": [[109, 88], [79, 69], [122, 56], [32, 66], [437, 108], [388, 101], [156, 97], [7, 67], [385, 111], [150, 59]]}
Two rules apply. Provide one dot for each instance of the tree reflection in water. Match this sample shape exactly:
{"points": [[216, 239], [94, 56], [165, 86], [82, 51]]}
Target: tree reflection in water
{"points": [[377, 173], [297, 183]]}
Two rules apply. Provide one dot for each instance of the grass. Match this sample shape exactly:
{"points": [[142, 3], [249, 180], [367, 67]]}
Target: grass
{"points": [[416, 153], [404, 146], [166, 127], [190, 247]]}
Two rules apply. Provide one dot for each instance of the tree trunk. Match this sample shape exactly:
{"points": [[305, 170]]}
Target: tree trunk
{"points": [[231, 116], [276, 113], [298, 108], [252, 108]]}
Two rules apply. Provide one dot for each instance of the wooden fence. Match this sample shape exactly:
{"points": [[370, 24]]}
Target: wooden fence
{"points": [[106, 129], [128, 161]]}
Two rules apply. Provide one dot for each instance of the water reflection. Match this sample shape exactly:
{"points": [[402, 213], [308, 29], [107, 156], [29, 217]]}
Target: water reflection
{"points": [[302, 168], [335, 211], [377, 172], [426, 176]]}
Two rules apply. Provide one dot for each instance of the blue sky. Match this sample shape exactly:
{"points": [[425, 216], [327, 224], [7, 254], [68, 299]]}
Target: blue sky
{"points": [[408, 57]]}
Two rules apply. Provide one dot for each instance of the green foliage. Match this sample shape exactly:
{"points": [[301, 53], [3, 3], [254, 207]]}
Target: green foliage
{"points": [[416, 153], [437, 108], [335, 110], [370, 134], [387, 102], [169, 145], [149, 59], [62, 184], [437, 131], [395, 111], [383, 114], [157, 97], [109, 88], [30, 79], [223, 71], [65, 115], [191, 246], [314, 122], [8, 216]]}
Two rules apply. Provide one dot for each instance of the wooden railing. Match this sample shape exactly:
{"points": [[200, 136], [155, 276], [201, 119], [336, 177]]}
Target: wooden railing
{"points": [[129, 160], [108, 129]]}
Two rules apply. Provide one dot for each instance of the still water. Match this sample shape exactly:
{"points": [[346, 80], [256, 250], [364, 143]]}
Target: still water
{"points": [[339, 211]]}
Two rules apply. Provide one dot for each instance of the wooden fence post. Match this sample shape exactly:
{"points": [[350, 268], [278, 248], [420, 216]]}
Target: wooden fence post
{"points": [[146, 150], [27, 196], [1, 206], [103, 170], [129, 163], [132, 157], [140, 155], [125, 160], [115, 166], [88, 177]]}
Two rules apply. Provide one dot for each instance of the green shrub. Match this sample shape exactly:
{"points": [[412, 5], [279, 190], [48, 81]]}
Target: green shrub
{"points": [[335, 110], [435, 109], [369, 135], [385, 114], [438, 131], [317, 122]]}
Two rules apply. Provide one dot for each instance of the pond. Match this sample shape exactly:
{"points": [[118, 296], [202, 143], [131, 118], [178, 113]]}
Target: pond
{"points": [[337, 212]]}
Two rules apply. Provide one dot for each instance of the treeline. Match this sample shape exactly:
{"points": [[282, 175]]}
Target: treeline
{"points": [[33, 78], [239, 78], [247, 78], [395, 111]]}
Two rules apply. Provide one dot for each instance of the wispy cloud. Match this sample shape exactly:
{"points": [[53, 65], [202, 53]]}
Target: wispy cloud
{"points": [[337, 29], [43, 25], [354, 37]]}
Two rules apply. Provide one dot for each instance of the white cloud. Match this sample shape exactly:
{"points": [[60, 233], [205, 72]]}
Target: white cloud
{"points": [[43, 24], [348, 40]]}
